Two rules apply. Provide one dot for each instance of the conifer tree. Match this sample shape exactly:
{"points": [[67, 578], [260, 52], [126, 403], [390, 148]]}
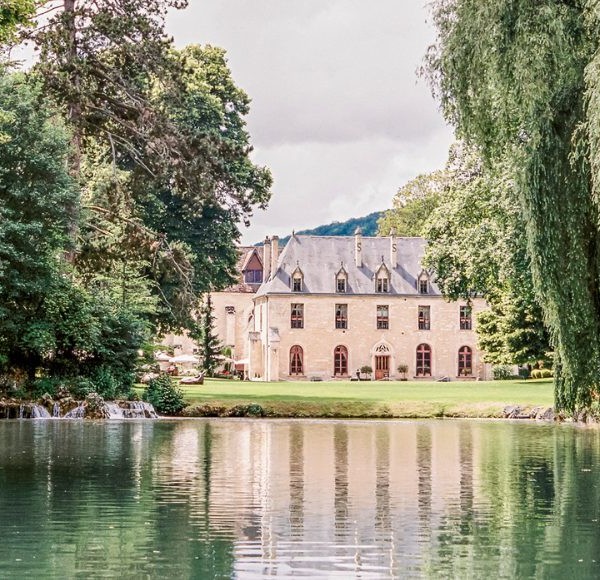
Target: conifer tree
{"points": [[205, 334]]}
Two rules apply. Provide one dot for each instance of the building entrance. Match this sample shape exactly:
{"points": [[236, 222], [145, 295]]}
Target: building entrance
{"points": [[382, 367]]}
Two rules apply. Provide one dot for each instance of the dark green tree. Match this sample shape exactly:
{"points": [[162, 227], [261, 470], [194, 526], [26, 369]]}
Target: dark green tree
{"points": [[35, 189], [522, 81], [170, 125], [13, 14], [205, 335], [49, 322]]}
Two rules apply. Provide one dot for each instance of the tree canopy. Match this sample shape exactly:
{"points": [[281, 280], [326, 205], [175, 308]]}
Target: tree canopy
{"points": [[134, 177], [522, 81], [477, 248], [413, 204]]}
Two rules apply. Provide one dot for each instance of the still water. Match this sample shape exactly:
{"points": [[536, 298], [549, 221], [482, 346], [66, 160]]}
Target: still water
{"points": [[314, 499]]}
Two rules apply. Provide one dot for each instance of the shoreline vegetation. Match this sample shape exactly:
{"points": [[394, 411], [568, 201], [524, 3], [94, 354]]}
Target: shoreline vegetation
{"points": [[375, 400]]}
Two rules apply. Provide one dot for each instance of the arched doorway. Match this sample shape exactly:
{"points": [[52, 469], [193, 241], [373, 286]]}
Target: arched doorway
{"points": [[382, 356], [296, 360], [465, 361], [340, 361]]}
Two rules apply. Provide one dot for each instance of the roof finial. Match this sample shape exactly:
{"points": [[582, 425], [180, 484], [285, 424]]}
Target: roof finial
{"points": [[358, 231]]}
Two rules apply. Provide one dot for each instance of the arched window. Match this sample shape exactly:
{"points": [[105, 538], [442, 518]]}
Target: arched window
{"points": [[465, 361], [340, 361], [296, 360], [423, 360]]}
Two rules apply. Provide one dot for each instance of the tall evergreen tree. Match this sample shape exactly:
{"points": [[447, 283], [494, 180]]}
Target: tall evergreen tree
{"points": [[205, 335]]}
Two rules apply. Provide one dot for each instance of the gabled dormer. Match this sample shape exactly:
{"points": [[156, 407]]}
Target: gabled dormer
{"points": [[382, 279], [297, 280], [423, 283], [341, 280], [252, 269]]}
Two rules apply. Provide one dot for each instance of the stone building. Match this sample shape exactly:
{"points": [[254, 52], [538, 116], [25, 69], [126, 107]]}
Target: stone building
{"points": [[331, 305], [326, 306]]}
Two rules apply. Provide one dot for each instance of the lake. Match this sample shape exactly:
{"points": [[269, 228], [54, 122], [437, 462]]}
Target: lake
{"points": [[228, 498]]}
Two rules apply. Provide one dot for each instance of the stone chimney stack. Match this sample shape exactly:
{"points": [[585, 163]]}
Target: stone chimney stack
{"points": [[274, 254], [358, 247], [266, 259], [393, 249]]}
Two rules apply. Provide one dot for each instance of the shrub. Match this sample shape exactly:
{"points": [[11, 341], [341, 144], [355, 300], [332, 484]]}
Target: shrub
{"points": [[164, 396], [366, 370], [501, 373], [81, 387], [546, 373], [45, 385], [524, 373], [536, 374]]}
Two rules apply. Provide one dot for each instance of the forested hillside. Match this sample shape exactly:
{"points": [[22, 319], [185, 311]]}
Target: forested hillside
{"points": [[368, 225]]}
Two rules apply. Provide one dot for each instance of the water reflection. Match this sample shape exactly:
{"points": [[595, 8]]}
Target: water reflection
{"points": [[236, 498]]}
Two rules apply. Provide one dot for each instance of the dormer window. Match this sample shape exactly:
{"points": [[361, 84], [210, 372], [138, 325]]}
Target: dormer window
{"points": [[297, 280], [341, 281], [423, 283], [382, 280], [253, 276]]}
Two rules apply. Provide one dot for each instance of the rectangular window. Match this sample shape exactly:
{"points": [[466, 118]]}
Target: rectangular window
{"points": [[383, 317], [423, 287], [341, 316], [253, 276], [465, 318], [297, 284], [341, 285], [297, 317], [382, 285], [424, 317]]}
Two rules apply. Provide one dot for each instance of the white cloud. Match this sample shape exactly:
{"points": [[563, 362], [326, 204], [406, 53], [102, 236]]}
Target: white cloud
{"points": [[338, 112]]}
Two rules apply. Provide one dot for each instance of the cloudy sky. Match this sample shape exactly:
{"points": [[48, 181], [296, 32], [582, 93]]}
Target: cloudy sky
{"points": [[338, 113]]}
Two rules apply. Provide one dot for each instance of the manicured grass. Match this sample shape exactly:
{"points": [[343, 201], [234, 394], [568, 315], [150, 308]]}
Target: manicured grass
{"points": [[369, 398]]}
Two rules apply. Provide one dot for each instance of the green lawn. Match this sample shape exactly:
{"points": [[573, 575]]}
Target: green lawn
{"points": [[370, 399]]}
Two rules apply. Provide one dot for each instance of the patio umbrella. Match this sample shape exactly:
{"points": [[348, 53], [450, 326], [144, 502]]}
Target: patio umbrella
{"points": [[185, 358]]}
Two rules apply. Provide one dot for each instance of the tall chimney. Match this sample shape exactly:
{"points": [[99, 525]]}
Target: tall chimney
{"points": [[393, 249], [274, 254], [266, 259], [358, 247]]}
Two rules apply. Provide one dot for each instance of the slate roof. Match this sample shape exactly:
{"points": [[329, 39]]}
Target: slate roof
{"points": [[321, 257]]}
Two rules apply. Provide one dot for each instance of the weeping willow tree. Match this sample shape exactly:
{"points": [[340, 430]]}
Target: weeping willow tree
{"points": [[521, 79]]}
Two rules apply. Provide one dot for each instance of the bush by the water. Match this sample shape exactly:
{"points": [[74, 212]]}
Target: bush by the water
{"points": [[164, 395]]}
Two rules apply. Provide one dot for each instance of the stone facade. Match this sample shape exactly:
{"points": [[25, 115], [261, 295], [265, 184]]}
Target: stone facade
{"points": [[362, 340]]}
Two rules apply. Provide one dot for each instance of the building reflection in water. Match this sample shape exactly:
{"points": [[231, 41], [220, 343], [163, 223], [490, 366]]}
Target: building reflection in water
{"points": [[355, 491]]}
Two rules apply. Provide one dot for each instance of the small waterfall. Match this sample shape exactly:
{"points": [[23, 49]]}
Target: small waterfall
{"points": [[109, 410], [114, 411], [39, 412], [139, 410], [76, 413]]}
